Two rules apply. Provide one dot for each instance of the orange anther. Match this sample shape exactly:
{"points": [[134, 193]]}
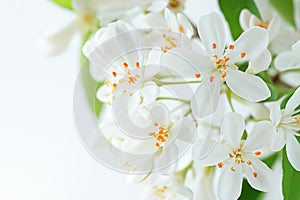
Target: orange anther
{"points": [[220, 164], [155, 124], [157, 144], [152, 133], [181, 29], [258, 153], [224, 75], [249, 162], [232, 169], [211, 79], [137, 64], [214, 45], [125, 64], [255, 174], [231, 47], [114, 74], [243, 54], [197, 75]]}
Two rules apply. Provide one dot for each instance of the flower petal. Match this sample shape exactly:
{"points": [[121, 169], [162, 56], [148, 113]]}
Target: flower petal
{"points": [[211, 30], [278, 140], [259, 62], [233, 128], [206, 98], [287, 61], [58, 42], [293, 150], [184, 22], [260, 136], [297, 13], [218, 154], [275, 114], [293, 102], [149, 92], [249, 87], [245, 18], [251, 42], [263, 178], [230, 184], [171, 19], [185, 129]]}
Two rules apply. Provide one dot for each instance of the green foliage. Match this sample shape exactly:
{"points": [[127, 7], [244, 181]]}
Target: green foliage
{"points": [[248, 192], [290, 180], [288, 96], [286, 9], [231, 10], [64, 3], [91, 86], [276, 91]]}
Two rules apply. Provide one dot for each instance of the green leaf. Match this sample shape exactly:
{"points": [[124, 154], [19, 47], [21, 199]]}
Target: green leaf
{"points": [[276, 91], [290, 180], [286, 9], [285, 100], [249, 193], [91, 86], [64, 3], [231, 10]]}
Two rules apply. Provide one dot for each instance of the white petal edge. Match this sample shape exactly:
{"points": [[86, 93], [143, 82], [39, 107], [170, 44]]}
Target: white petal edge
{"points": [[245, 18], [251, 42], [211, 30], [206, 98], [260, 136], [294, 101], [230, 184], [264, 179], [249, 87], [275, 114], [233, 128], [260, 62], [218, 154], [278, 140], [293, 150]]}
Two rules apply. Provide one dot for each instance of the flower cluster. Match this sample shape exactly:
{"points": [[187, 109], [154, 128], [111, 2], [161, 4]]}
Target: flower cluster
{"points": [[191, 113]]}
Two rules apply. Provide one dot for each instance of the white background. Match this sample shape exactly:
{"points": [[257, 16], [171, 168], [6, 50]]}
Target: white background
{"points": [[41, 156]]}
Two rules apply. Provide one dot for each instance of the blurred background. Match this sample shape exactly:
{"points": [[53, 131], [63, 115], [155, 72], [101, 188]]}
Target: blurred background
{"points": [[41, 156]]}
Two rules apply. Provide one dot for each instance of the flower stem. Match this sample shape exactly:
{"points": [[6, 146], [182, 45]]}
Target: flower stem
{"points": [[173, 99]]}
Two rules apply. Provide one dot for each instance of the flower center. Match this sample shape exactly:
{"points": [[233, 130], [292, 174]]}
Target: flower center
{"points": [[161, 192], [297, 118], [236, 155], [87, 20], [264, 24], [221, 64], [174, 3], [161, 135], [171, 41]]}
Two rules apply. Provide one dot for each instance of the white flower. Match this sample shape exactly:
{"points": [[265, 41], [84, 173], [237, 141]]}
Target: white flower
{"points": [[156, 131], [270, 21], [237, 158], [166, 188], [288, 60], [287, 123], [297, 13], [132, 78], [89, 13], [219, 64], [178, 23], [158, 5]]}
